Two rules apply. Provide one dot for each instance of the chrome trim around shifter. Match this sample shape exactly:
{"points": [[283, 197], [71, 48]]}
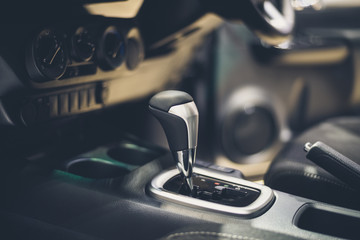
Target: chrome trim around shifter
{"points": [[189, 113], [266, 197]]}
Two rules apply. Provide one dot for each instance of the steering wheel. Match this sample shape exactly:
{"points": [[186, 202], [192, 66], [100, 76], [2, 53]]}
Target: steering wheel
{"points": [[271, 20]]}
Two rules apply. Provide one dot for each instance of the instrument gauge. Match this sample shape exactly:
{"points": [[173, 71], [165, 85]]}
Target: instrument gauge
{"points": [[46, 58], [82, 45], [111, 49]]}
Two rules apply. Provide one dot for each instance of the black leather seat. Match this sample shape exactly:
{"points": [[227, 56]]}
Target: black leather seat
{"points": [[291, 172], [240, 230]]}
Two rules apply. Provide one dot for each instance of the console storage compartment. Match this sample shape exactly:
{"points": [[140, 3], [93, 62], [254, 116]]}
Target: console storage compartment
{"points": [[132, 153], [336, 222]]}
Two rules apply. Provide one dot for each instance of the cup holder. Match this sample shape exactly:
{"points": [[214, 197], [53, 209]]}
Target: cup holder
{"points": [[95, 168], [132, 154], [113, 160]]}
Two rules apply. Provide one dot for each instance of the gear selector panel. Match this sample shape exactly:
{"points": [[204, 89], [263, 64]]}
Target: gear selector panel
{"points": [[214, 190]]}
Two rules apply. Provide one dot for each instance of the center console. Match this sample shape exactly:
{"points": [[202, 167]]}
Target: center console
{"points": [[126, 189], [129, 189]]}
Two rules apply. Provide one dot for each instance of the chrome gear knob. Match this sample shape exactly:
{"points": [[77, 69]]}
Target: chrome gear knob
{"points": [[179, 117]]}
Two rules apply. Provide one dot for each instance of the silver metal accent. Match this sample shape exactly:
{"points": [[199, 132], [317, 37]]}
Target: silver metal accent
{"points": [[157, 190], [184, 162], [282, 21], [185, 159], [307, 147], [243, 100], [300, 5], [189, 113]]}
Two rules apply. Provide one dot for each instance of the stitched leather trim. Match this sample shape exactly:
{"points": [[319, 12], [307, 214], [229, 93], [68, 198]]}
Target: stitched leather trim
{"points": [[313, 177], [217, 234], [318, 177]]}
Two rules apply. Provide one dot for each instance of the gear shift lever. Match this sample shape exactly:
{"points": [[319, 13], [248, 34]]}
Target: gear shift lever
{"points": [[178, 115]]}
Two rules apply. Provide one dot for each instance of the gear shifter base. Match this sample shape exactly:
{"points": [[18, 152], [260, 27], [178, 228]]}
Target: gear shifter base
{"points": [[213, 191]]}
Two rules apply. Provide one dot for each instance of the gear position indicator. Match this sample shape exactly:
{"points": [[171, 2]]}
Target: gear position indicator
{"points": [[214, 190]]}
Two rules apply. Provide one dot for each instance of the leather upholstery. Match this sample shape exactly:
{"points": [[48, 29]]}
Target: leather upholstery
{"points": [[291, 172], [239, 231]]}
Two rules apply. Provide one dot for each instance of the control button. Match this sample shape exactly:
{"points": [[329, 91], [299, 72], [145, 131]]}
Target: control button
{"points": [[219, 188], [221, 168], [216, 195], [83, 99], [74, 101], [244, 192], [53, 105], [205, 195], [91, 97], [229, 192], [63, 104], [194, 192]]}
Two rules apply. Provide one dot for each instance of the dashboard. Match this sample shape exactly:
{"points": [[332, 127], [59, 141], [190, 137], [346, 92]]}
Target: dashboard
{"points": [[67, 59], [53, 57], [82, 157]]}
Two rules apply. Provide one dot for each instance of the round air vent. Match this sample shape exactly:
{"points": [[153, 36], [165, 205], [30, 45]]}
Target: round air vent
{"points": [[248, 126]]}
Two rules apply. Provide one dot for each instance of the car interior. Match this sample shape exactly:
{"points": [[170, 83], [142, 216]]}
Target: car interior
{"points": [[182, 119]]}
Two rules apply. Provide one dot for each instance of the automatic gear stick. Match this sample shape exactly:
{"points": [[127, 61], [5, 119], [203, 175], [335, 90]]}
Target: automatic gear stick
{"points": [[178, 115]]}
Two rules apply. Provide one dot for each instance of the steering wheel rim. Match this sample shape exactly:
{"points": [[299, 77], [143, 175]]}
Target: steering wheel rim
{"points": [[274, 25]]}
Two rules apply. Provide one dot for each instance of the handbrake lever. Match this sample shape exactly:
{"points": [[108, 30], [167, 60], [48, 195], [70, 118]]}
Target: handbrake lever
{"points": [[334, 162]]}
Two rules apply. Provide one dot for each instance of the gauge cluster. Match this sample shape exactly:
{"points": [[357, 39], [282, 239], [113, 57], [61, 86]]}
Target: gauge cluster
{"points": [[56, 69], [57, 56], [47, 58]]}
